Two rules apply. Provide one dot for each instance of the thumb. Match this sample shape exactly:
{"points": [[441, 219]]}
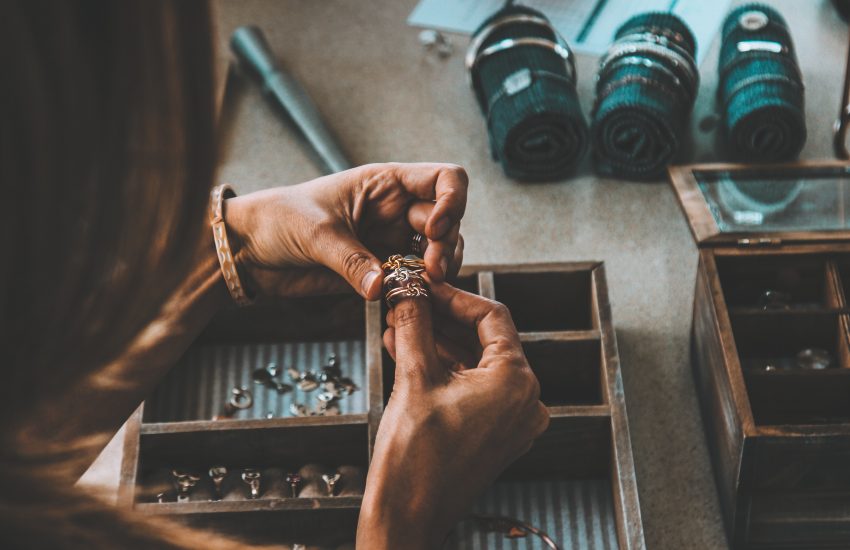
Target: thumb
{"points": [[415, 351], [346, 255]]}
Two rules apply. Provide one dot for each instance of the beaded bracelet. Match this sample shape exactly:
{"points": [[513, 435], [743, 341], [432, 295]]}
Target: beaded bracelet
{"points": [[222, 245]]}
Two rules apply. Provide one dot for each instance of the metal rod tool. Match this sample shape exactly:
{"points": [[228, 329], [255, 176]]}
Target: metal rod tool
{"points": [[251, 48]]}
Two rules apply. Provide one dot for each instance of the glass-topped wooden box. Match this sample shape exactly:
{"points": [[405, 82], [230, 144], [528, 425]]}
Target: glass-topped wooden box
{"points": [[770, 346]]}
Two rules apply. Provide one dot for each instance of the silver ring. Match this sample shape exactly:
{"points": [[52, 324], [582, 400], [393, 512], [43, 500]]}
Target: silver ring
{"points": [[418, 244], [241, 398]]}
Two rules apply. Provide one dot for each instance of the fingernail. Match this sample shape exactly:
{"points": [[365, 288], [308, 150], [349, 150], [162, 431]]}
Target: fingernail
{"points": [[444, 266], [440, 227], [368, 280]]}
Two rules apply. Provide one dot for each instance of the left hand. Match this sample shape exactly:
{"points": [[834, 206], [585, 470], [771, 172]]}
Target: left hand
{"points": [[321, 236]]}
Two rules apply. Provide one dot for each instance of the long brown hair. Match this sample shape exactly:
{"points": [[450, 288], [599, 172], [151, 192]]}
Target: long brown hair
{"points": [[107, 155]]}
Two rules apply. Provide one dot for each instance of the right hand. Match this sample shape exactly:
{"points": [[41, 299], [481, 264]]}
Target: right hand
{"points": [[465, 404]]}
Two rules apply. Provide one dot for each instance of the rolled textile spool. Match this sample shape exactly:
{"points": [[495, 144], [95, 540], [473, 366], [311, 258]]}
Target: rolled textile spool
{"points": [[645, 90], [760, 87], [524, 78], [843, 8]]}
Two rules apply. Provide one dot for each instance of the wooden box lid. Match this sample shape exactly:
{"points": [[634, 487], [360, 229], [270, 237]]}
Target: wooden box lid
{"points": [[765, 205]]}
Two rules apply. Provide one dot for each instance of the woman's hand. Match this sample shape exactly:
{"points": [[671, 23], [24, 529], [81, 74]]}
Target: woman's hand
{"points": [[449, 429], [315, 237]]}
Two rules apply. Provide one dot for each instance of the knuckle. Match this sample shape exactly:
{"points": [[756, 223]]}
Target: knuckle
{"points": [[407, 315], [530, 385], [500, 311], [354, 261], [458, 171]]}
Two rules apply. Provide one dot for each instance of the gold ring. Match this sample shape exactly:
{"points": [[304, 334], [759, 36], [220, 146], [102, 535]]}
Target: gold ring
{"points": [[412, 290], [403, 279], [402, 276], [397, 261]]}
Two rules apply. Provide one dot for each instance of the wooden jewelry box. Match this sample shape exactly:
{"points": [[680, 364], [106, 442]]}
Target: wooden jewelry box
{"points": [[770, 346], [577, 483]]}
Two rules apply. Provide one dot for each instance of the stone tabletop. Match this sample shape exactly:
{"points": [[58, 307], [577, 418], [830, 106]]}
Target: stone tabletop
{"points": [[388, 100]]}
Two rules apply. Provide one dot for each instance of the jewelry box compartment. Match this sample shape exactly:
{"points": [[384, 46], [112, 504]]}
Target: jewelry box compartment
{"points": [[778, 283], [547, 301], [790, 336], [577, 483], [253, 349], [260, 349]]}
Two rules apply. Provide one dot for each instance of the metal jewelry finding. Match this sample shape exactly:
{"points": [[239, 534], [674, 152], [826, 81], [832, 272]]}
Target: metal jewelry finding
{"points": [[512, 528], [432, 39], [217, 474], [331, 371], [294, 481], [184, 482], [330, 481], [266, 377], [297, 409], [418, 244], [308, 382], [327, 408], [252, 477], [814, 359], [241, 398], [774, 299]]}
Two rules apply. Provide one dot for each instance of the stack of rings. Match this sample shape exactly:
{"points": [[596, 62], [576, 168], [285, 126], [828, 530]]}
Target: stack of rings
{"points": [[403, 278]]}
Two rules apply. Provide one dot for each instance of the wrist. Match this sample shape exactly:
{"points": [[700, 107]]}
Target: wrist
{"points": [[401, 503], [239, 216], [385, 526]]}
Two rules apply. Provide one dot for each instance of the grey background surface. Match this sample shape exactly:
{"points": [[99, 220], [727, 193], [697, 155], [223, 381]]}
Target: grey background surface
{"points": [[388, 100]]}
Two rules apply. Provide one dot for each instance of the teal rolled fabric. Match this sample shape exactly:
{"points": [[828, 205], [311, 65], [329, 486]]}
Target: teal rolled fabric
{"points": [[524, 79], [760, 87], [646, 88]]}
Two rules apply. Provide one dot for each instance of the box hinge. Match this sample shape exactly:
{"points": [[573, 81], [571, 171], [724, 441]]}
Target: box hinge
{"points": [[764, 241]]}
